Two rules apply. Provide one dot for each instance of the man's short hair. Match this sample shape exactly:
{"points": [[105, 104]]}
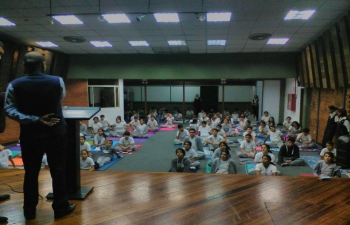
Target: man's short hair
{"points": [[180, 126], [291, 139], [306, 130], [127, 133], [248, 135]]}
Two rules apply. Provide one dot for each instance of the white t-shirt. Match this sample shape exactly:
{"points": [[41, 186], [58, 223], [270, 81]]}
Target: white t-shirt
{"points": [[125, 142], [182, 134], [259, 155], [86, 146], [334, 151], [151, 123], [191, 153], [304, 138], [265, 118], [286, 124], [104, 124], [248, 147], [86, 164], [204, 131], [213, 139], [266, 171], [263, 129], [275, 136], [96, 126], [4, 158], [141, 129], [253, 134]]}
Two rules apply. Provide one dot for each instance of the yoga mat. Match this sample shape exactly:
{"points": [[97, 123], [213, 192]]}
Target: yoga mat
{"points": [[245, 160], [309, 150], [138, 146], [207, 167], [17, 161], [111, 163], [113, 138], [167, 129], [248, 167], [140, 139], [93, 148], [151, 132], [15, 148], [15, 153], [311, 160]]}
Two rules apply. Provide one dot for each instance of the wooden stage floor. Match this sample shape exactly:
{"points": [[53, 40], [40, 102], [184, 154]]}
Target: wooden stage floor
{"points": [[175, 198]]}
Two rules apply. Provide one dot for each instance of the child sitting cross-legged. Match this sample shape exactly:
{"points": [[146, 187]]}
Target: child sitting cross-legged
{"points": [[224, 164], [5, 156], [180, 163], [100, 138], [248, 148], [327, 166], [86, 163], [106, 156], [181, 134], [126, 143], [141, 130], [304, 139]]}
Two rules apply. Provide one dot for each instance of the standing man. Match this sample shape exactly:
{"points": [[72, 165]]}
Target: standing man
{"points": [[255, 106], [35, 102], [331, 126]]}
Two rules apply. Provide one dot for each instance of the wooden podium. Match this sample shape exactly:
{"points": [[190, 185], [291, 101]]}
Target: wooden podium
{"points": [[72, 116]]}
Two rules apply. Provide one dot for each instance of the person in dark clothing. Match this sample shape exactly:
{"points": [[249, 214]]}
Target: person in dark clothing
{"points": [[35, 102], [197, 104], [331, 126], [343, 126], [289, 154]]}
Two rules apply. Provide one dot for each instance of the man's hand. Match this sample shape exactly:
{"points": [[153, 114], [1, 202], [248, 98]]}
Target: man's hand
{"points": [[48, 120]]}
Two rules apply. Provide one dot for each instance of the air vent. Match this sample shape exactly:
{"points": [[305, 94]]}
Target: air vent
{"points": [[74, 39], [259, 36]]}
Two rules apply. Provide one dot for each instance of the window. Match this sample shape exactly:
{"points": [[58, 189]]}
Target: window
{"points": [[104, 96]]}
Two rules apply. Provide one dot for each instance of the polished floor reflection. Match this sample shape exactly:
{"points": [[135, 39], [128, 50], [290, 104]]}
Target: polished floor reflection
{"points": [[174, 198]]}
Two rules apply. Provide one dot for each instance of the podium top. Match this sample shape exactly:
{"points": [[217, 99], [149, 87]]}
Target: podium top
{"points": [[79, 113]]}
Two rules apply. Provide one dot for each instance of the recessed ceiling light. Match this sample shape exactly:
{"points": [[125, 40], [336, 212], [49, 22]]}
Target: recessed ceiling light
{"points": [[177, 42], [138, 43], [5, 22], [46, 44], [100, 44], [116, 18], [167, 17], [277, 41], [216, 42], [299, 15], [218, 17], [68, 19]]}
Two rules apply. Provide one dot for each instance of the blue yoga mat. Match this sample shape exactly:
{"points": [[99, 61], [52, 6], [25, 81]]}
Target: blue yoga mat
{"points": [[111, 163]]}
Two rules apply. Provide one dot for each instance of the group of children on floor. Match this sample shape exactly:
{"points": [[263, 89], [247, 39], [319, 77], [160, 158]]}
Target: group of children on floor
{"points": [[215, 137]]}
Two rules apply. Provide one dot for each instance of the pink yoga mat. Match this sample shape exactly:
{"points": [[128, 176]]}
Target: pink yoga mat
{"points": [[166, 128]]}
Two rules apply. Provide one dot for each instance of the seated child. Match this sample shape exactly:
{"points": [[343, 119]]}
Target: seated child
{"points": [[275, 136], [181, 134], [85, 145], [329, 148], [200, 114], [266, 167], [223, 134], [248, 148], [215, 120], [304, 139], [178, 116], [203, 118], [327, 166], [118, 128], [235, 116], [263, 129], [271, 121], [294, 130], [193, 124], [169, 121], [106, 156], [227, 128], [100, 138], [189, 113], [191, 154], [5, 156], [141, 130], [240, 125], [258, 157], [252, 133], [265, 117], [253, 119], [226, 113], [126, 143], [83, 128], [86, 163], [180, 163], [204, 131], [196, 143], [132, 125], [289, 154], [95, 126], [152, 124], [224, 164], [210, 125], [214, 140], [247, 114], [286, 124], [222, 147], [104, 122]]}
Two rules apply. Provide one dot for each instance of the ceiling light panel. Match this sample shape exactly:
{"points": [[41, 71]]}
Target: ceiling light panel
{"points": [[216, 42], [100, 44], [167, 17], [299, 15], [47, 44], [176, 43], [138, 43], [277, 41], [5, 22], [218, 17], [116, 18], [70, 19]]}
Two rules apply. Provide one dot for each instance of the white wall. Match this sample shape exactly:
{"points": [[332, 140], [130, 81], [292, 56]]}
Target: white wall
{"points": [[290, 89], [112, 113], [271, 98]]}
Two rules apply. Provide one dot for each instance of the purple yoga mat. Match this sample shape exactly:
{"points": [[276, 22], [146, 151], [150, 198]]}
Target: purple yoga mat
{"points": [[15, 148]]}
